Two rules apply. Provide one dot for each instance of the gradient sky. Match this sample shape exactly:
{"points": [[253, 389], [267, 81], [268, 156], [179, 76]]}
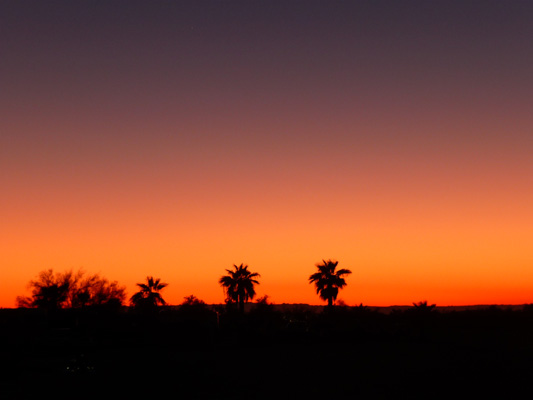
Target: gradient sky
{"points": [[176, 139]]}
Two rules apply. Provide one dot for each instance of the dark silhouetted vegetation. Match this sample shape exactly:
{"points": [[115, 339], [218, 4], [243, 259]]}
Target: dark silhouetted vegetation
{"points": [[328, 281], [377, 353], [239, 285], [149, 296], [192, 301], [52, 291], [199, 350]]}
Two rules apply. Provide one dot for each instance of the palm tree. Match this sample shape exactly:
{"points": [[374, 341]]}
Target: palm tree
{"points": [[423, 306], [239, 285], [148, 296], [328, 281]]}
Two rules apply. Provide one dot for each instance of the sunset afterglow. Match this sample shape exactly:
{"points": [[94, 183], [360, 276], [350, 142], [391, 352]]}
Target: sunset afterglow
{"points": [[175, 140]]}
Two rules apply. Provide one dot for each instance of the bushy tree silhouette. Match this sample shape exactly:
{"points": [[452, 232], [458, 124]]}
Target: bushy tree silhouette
{"points": [[195, 312], [96, 291], [49, 291], [263, 307], [239, 285], [149, 296], [192, 300], [328, 281], [52, 291]]}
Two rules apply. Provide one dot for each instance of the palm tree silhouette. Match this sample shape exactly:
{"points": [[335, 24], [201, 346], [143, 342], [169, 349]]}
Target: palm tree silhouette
{"points": [[423, 307], [239, 285], [148, 296], [328, 281]]}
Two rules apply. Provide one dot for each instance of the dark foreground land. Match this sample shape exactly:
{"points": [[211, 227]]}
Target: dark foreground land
{"points": [[189, 353]]}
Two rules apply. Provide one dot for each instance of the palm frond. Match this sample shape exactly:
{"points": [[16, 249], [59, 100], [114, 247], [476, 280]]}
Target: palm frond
{"points": [[327, 281], [239, 283]]}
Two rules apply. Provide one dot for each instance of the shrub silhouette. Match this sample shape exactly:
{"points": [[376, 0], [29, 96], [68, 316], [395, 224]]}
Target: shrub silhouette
{"points": [[192, 300], [263, 303], [52, 291]]}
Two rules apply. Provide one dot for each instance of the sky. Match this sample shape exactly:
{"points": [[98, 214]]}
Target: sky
{"points": [[175, 139]]}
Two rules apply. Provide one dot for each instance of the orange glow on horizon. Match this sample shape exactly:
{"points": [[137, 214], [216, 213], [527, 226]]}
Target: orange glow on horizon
{"points": [[185, 138], [398, 262]]}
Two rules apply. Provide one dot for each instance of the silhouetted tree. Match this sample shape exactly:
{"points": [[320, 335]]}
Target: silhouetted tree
{"points": [[194, 308], [263, 301], [421, 317], [95, 291], [49, 291], [263, 307], [52, 291], [341, 303], [422, 307], [191, 300], [149, 296], [193, 303], [239, 285], [328, 281]]}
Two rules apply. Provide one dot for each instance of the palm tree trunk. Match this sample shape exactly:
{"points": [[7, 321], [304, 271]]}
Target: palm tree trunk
{"points": [[241, 304]]}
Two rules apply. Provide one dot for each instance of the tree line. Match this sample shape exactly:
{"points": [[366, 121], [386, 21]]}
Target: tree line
{"points": [[55, 290]]}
